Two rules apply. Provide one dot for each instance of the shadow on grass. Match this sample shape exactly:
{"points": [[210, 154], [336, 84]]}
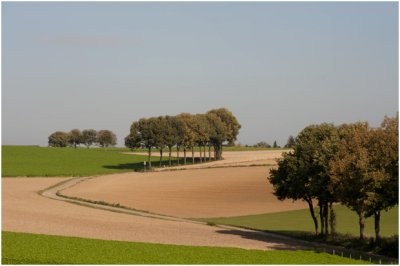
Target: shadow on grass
{"points": [[342, 245], [139, 166], [126, 166], [274, 242]]}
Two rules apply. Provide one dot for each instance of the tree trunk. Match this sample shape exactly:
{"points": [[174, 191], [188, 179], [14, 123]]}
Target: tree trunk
{"points": [[209, 153], [200, 158], [361, 221], [326, 219], [311, 207], [149, 157], [161, 150], [192, 155], [184, 155], [169, 155], [321, 218], [332, 219], [377, 216], [215, 152], [177, 153]]}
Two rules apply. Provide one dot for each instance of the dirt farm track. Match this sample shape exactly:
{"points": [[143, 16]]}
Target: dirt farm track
{"points": [[189, 193]]}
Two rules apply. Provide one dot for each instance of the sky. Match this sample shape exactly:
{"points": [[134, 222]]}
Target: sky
{"points": [[278, 67]]}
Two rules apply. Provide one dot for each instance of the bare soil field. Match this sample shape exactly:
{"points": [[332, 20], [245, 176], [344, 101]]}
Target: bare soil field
{"points": [[218, 192], [230, 158], [24, 210]]}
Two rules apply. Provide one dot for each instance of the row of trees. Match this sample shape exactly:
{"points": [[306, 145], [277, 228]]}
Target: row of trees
{"points": [[352, 164], [185, 131], [88, 137]]}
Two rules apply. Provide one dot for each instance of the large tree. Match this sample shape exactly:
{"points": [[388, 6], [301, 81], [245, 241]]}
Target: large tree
{"points": [[314, 147], [291, 181], [351, 171], [89, 137], [383, 148], [58, 139], [106, 138]]}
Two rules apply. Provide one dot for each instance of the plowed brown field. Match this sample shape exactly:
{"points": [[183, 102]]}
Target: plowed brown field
{"points": [[197, 193]]}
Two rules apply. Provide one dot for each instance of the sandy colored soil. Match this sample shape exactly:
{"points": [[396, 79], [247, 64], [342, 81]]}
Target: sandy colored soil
{"points": [[230, 158], [218, 192], [24, 210]]}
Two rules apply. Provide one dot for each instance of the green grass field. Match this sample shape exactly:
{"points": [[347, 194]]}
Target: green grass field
{"points": [[23, 248], [44, 161], [294, 222]]}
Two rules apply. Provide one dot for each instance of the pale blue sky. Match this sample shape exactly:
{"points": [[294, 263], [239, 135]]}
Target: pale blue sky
{"points": [[277, 66]]}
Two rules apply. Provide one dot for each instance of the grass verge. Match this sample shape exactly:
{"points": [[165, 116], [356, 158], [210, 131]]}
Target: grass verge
{"points": [[23, 248], [299, 224]]}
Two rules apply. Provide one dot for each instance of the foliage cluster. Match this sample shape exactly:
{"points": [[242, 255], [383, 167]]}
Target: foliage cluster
{"points": [[185, 131], [23, 248], [352, 164], [88, 137]]}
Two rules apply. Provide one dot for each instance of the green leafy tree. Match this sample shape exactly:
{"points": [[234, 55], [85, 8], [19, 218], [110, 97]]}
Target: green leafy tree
{"points": [[171, 135], [188, 136], [148, 134], [291, 181], [89, 137], [315, 146], [58, 139], [383, 153], [75, 137], [231, 127], [218, 134], [106, 138], [351, 171], [133, 140]]}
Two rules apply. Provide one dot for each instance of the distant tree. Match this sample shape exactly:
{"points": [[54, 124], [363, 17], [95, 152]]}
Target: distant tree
{"points": [[171, 135], [262, 144], [231, 128], [275, 145], [159, 126], [75, 137], [147, 129], [58, 139], [106, 138], [188, 136], [290, 142], [218, 134], [89, 137], [133, 140]]}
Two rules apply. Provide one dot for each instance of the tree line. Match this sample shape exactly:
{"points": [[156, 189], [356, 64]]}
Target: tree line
{"points": [[351, 164], [88, 137], [184, 132]]}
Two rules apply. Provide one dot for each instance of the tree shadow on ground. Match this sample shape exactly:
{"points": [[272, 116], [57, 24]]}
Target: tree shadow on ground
{"points": [[274, 242], [125, 166]]}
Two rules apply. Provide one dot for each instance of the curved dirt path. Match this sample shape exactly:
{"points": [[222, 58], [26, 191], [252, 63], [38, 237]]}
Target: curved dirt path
{"points": [[24, 210]]}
